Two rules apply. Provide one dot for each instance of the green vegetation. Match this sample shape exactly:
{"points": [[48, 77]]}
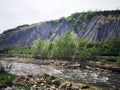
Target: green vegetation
{"points": [[67, 47], [118, 60], [111, 47], [24, 82], [75, 18], [23, 86], [42, 82], [70, 47], [79, 19], [6, 78], [14, 51], [86, 16]]}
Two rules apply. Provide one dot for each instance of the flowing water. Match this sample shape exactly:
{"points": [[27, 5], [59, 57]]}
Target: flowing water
{"points": [[100, 78]]}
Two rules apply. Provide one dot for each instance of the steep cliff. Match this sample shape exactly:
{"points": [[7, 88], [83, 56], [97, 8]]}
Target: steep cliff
{"points": [[100, 26]]}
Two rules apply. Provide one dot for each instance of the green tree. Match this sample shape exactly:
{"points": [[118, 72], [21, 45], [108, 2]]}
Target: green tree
{"points": [[65, 46], [111, 47], [81, 50], [37, 48], [46, 50]]}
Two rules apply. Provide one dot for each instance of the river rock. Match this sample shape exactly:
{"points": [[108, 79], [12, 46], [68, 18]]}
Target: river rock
{"points": [[38, 88], [63, 86], [41, 80], [56, 82], [30, 75], [52, 88], [85, 86], [8, 88], [24, 80], [69, 86]]}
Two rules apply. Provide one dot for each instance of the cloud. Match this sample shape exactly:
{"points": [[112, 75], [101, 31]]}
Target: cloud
{"points": [[18, 12]]}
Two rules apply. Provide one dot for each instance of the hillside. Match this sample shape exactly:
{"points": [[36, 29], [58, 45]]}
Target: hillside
{"points": [[93, 26]]}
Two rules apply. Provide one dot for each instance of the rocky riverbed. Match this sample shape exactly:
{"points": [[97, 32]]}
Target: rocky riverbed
{"points": [[70, 71]]}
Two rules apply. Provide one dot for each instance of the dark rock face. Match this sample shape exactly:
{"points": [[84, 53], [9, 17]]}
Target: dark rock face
{"points": [[98, 28]]}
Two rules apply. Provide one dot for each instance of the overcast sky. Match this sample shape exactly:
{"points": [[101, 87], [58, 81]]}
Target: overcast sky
{"points": [[19, 12]]}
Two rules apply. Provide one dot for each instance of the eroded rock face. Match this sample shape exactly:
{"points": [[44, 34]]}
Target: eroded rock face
{"points": [[99, 27], [27, 35]]}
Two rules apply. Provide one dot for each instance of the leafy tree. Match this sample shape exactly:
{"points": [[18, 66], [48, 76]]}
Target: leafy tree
{"points": [[81, 50], [94, 49], [46, 50], [111, 47], [65, 46], [55, 47], [37, 48]]}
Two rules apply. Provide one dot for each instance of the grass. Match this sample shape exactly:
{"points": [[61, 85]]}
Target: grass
{"points": [[23, 86], [5, 77]]}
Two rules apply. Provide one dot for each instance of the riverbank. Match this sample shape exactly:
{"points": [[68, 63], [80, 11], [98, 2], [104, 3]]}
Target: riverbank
{"points": [[70, 71], [39, 82], [109, 66]]}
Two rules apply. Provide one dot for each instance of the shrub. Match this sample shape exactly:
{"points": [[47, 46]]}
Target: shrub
{"points": [[118, 60], [111, 59]]}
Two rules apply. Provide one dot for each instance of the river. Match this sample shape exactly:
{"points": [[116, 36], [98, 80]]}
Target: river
{"points": [[99, 78]]}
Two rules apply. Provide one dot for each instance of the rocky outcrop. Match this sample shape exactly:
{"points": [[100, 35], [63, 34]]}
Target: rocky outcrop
{"points": [[27, 35], [98, 27], [101, 28]]}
